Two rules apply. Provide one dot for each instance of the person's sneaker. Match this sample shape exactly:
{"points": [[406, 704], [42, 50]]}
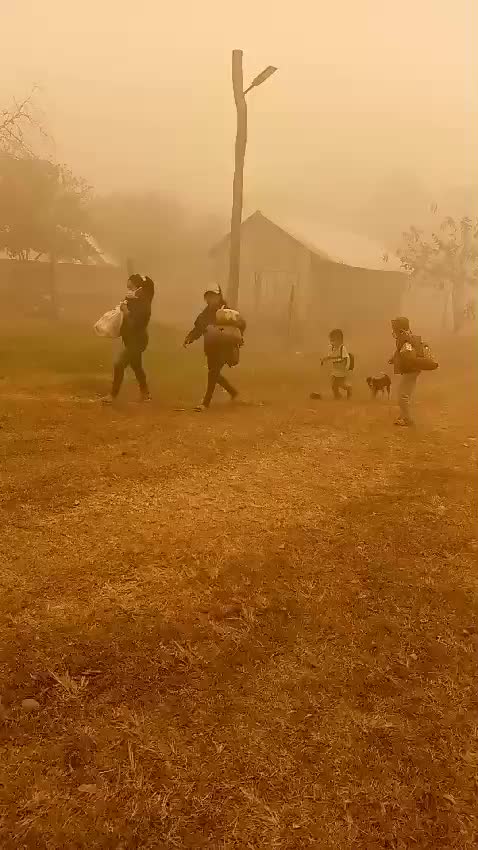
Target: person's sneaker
{"points": [[315, 396], [107, 399], [403, 423], [200, 408], [145, 397]]}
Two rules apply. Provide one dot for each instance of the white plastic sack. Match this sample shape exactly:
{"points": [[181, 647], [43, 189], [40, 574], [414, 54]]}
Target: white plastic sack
{"points": [[110, 323], [225, 316]]}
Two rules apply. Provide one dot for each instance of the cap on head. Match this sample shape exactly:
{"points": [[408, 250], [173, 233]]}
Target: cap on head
{"points": [[400, 324], [216, 290]]}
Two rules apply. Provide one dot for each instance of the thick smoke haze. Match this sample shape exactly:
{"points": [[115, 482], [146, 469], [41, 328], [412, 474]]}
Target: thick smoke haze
{"points": [[372, 115]]}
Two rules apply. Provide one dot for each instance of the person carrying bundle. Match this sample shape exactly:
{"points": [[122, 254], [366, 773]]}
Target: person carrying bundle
{"points": [[411, 357], [130, 321], [223, 331]]}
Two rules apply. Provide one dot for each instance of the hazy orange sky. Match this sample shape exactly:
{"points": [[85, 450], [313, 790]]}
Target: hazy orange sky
{"points": [[138, 94]]}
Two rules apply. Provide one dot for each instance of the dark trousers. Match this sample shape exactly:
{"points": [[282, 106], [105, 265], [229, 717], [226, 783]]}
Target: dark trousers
{"points": [[215, 362], [132, 355]]}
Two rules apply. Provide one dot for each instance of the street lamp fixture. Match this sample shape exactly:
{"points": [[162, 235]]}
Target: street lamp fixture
{"points": [[261, 78]]}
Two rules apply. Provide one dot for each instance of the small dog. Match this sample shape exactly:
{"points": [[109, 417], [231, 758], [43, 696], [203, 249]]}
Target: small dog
{"points": [[379, 384]]}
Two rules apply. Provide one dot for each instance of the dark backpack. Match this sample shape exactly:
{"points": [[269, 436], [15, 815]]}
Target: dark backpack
{"points": [[351, 365], [421, 360]]}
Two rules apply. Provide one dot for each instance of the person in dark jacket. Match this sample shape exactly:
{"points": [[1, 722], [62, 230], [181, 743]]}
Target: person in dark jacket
{"points": [[218, 352], [136, 309]]}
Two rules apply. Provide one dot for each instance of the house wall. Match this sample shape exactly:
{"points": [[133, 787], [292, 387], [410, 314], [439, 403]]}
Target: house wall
{"points": [[279, 261], [354, 298], [83, 291], [87, 291], [326, 293]]}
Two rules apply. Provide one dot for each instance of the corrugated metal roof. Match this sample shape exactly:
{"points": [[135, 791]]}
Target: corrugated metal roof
{"points": [[351, 249]]}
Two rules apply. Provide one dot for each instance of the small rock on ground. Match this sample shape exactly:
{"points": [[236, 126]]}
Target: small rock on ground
{"points": [[29, 705]]}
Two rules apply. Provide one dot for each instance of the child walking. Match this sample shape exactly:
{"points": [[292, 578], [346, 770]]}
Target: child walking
{"points": [[339, 357]]}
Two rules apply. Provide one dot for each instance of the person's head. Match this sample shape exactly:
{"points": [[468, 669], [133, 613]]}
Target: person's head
{"points": [[400, 325], [213, 298], [134, 282], [141, 285], [336, 337]]}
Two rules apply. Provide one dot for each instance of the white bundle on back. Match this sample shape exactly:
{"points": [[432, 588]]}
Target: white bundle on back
{"points": [[225, 316], [228, 328]]}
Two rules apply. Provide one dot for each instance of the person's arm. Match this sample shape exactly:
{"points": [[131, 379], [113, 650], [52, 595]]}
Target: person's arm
{"points": [[197, 331], [395, 354]]}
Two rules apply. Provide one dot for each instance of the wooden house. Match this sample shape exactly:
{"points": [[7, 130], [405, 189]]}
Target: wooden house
{"points": [[283, 272]]}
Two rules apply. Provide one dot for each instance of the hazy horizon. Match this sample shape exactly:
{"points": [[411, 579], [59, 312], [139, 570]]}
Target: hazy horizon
{"points": [[367, 100]]}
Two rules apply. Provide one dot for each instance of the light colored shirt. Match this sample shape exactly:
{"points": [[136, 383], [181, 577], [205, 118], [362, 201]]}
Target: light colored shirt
{"points": [[340, 362]]}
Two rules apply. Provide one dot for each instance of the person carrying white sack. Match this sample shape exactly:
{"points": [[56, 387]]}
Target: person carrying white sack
{"points": [[136, 313]]}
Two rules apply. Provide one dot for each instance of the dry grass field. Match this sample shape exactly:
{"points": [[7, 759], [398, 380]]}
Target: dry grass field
{"points": [[251, 628]]}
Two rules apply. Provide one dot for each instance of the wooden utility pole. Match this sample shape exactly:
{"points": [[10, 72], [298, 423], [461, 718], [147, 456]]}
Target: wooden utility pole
{"points": [[290, 312], [237, 189]]}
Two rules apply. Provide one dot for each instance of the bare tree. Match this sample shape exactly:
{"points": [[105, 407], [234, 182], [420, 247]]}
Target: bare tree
{"points": [[19, 122]]}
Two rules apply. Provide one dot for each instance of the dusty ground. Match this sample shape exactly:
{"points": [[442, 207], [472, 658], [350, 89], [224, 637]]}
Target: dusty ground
{"points": [[251, 629]]}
